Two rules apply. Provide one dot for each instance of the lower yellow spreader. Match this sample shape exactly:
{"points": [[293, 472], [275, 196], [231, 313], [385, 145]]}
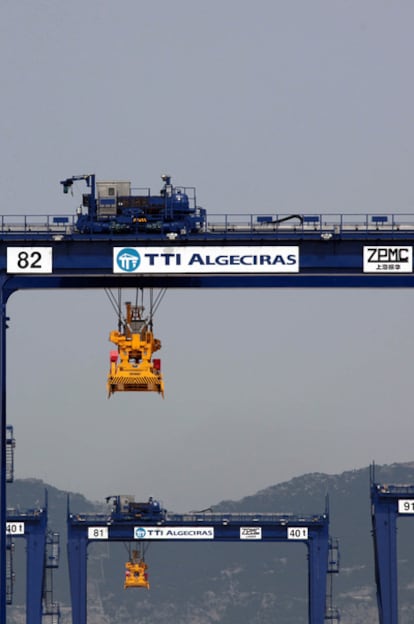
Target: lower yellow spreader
{"points": [[136, 573]]}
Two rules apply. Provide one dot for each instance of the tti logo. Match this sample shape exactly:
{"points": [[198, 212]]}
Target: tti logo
{"points": [[139, 533], [128, 259]]}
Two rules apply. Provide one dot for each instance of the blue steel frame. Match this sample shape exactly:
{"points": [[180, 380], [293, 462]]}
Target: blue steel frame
{"points": [[35, 529], [384, 505], [327, 260], [227, 527]]}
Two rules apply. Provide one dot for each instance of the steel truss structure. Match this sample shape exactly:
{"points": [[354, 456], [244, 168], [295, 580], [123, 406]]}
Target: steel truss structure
{"points": [[201, 527]]}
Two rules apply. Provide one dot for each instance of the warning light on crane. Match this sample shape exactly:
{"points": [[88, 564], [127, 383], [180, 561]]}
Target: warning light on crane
{"points": [[132, 368], [136, 572]]}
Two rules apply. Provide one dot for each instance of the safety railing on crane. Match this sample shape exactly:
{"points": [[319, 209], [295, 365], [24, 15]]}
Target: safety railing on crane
{"points": [[329, 223], [214, 517], [37, 224], [403, 488]]}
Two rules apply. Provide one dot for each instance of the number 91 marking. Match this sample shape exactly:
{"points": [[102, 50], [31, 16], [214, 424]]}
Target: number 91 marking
{"points": [[406, 506], [29, 259]]}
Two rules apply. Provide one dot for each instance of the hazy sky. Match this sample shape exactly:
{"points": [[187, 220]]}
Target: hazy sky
{"points": [[264, 106]]}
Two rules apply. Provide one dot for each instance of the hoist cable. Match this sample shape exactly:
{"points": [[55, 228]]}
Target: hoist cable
{"points": [[158, 299], [154, 303], [121, 321], [113, 300], [139, 546]]}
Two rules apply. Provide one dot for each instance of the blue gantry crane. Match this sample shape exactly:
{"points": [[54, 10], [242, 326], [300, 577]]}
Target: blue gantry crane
{"points": [[42, 547], [145, 522], [388, 503], [121, 236]]}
